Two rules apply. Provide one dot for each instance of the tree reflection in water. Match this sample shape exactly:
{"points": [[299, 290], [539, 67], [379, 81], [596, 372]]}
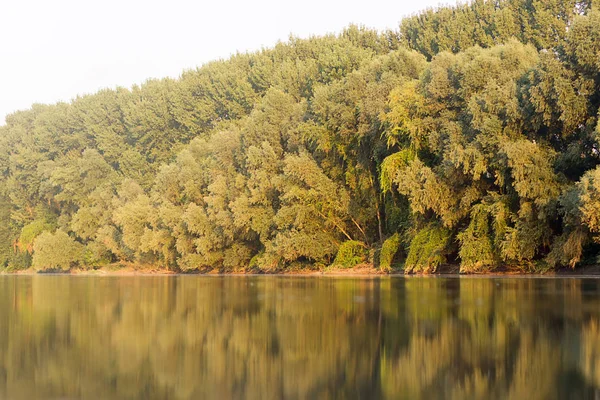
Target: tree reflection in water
{"points": [[298, 337]]}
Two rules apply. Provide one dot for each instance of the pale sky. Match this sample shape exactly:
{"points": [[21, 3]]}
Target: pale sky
{"points": [[53, 50]]}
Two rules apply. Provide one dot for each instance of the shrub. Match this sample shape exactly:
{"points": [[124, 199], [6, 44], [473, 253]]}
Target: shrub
{"points": [[18, 260], [191, 262], [56, 251], [237, 257], [476, 248], [30, 232], [427, 249], [96, 255], [350, 254], [389, 249]]}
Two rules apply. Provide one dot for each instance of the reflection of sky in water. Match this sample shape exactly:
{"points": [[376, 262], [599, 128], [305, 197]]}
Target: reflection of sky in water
{"points": [[298, 337]]}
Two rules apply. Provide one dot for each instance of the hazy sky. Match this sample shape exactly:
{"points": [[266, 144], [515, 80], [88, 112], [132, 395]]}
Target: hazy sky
{"points": [[53, 50]]}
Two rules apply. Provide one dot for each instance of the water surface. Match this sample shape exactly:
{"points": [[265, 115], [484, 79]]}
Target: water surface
{"points": [[197, 337]]}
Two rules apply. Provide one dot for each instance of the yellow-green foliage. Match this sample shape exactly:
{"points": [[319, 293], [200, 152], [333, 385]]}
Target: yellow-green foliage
{"points": [[350, 254], [427, 249], [289, 151], [476, 248], [18, 260], [589, 200], [392, 165], [6, 237], [444, 29], [95, 255], [191, 262], [254, 262], [30, 232], [56, 251], [389, 249]]}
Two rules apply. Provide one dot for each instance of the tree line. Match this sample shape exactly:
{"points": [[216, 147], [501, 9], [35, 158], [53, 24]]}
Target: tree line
{"points": [[469, 136]]}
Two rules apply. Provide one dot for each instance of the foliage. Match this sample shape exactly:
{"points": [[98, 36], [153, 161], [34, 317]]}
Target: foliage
{"points": [[30, 232], [427, 249], [350, 254], [475, 125], [388, 252], [476, 245], [56, 251], [488, 23], [391, 165]]}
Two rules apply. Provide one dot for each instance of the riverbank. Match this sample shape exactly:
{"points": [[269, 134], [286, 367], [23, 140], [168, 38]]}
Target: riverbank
{"points": [[362, 270], [141, 270]]}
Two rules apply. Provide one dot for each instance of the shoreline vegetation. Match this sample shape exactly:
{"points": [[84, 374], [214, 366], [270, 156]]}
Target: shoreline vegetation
{"points": [[468, 137], [365, 270]]}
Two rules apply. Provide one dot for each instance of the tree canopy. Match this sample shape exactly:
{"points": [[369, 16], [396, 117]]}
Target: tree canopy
{"points": [[468, 136]]}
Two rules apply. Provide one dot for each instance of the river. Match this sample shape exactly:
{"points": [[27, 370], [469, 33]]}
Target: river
{"points": [[285, 337]]}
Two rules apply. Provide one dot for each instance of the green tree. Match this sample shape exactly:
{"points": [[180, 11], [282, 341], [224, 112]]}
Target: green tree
{"points": [[56, 251]]}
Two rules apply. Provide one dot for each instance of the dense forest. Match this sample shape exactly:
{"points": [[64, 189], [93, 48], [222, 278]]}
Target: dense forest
{"points": [[469, 137]]}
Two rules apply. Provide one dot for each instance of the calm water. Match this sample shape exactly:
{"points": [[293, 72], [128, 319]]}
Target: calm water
{"points": [[196, 337]]}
